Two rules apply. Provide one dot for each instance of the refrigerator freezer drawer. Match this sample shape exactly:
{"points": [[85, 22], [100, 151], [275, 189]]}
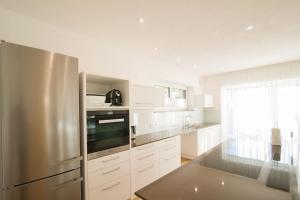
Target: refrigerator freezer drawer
{"points": [[65, 186]]}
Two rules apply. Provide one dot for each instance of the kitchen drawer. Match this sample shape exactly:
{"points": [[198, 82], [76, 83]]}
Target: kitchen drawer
{"points": [[169, 164], [169, 150], [114, 190], [143, 159], [107, 174], [143, 149], [169, 142], [144, 175], [100, 163]]}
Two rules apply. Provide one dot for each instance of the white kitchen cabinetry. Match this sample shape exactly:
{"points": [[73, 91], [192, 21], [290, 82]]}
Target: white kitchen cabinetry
{"points": [[195, 144], [109, 177], [208, 101], [152, 161], [170, 155], [143, 96]]}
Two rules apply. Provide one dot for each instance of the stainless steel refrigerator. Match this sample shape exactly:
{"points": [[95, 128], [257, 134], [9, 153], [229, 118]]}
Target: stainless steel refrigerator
{"points": [[39, 113]]}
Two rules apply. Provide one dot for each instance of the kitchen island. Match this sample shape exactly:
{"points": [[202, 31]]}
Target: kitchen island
{"points": [[239, 169]]}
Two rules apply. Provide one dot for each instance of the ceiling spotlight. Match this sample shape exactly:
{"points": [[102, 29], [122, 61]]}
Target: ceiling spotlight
{"points": [[196, 189], [223, 183], [249, 28], [141, 20], [155, 49]]}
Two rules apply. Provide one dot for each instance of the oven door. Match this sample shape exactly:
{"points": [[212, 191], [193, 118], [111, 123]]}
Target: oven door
{"points": [[108, 132]]}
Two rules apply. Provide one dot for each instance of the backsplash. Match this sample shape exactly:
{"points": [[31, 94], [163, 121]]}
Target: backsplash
{"points": [[149, 121]]}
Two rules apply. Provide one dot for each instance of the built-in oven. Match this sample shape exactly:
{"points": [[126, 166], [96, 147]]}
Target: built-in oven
{"points": [[107, 132]]}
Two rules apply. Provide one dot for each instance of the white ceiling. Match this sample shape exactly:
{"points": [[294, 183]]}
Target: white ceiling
{"points": [[206, 35]]}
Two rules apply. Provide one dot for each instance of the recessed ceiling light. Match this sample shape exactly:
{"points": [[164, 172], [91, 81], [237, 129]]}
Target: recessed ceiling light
{"points": [[196, 189], [155, 49], [141, 20], [249, 28]]}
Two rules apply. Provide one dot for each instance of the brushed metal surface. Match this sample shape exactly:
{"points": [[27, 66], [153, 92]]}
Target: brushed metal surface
{"points": [[65, 186], [40, 107]]}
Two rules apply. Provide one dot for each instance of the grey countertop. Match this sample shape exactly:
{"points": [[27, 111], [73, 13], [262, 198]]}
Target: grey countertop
{"points": [[227, 173], [156, 136]]}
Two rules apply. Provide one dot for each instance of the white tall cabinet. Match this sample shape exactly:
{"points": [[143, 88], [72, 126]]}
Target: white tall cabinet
{"points": [[105, 177]]}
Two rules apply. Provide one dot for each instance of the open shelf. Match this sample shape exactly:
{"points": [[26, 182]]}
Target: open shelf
{"points": [[108, 108], [101, 85]]}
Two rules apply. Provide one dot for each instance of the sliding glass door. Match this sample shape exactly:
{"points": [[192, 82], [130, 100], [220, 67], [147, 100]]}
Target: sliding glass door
{"points": [[249, 112]]}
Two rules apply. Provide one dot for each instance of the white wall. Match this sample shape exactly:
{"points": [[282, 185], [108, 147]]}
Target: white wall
{"points": [[212, 84], [96, 56]]}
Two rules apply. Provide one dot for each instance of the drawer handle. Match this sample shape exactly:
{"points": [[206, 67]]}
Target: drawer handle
{"points": [[68, 183], [170, 140], [145, 148], [111, 187], [115, 158], [168, 149], [170, 158], [141, 103], [111, 171], [143, 170], [142, 158]]}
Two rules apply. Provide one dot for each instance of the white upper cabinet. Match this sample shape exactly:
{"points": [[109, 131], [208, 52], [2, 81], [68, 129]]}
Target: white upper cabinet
{"points": [[144, 96], [208, 101]]}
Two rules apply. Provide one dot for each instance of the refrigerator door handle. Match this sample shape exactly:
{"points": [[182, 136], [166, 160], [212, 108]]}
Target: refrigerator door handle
{"points": [[67, 183], [64, 162]]}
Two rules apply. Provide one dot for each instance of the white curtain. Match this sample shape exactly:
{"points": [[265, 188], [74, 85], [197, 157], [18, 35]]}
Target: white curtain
{"points": [[250, 111]]}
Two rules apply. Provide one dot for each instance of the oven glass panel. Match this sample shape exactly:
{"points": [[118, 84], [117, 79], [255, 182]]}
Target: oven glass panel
{"points": [[105, 131]]}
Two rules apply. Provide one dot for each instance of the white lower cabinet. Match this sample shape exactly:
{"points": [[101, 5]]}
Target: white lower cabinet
{"points": [[152, 161], [169, 164], [144, 175], [119, 176], [197, 143], [109, 177], [118, 189], [170, 155]]}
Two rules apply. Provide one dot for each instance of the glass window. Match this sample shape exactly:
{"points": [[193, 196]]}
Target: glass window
{"points": [[178, 93]]}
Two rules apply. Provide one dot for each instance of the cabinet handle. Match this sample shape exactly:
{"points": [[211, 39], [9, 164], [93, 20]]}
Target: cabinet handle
{"points": [[68, 161], [168, 149], [139, 103], [143, 170], [141, 149], [111, 187], [111, 171], [67, 183], [142, 158], [170, 158], [115, 158], [170, 140], [107, 121]]}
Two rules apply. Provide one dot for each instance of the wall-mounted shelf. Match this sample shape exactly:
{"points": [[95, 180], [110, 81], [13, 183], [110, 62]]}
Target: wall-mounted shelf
{"points": [[108, 108]]}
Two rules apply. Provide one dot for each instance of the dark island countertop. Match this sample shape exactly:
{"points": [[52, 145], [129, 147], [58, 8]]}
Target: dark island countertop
{"points": [[230, 171], [156, 136]]}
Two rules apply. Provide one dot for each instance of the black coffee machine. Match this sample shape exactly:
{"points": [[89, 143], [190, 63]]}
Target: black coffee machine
{"points": [[114, 97]]}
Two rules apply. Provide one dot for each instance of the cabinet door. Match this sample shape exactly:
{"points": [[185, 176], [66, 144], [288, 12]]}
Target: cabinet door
{"points": [[105, 175], [142, 96], [202, 142], [115, 190], [169, 163], [144, 175]]}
